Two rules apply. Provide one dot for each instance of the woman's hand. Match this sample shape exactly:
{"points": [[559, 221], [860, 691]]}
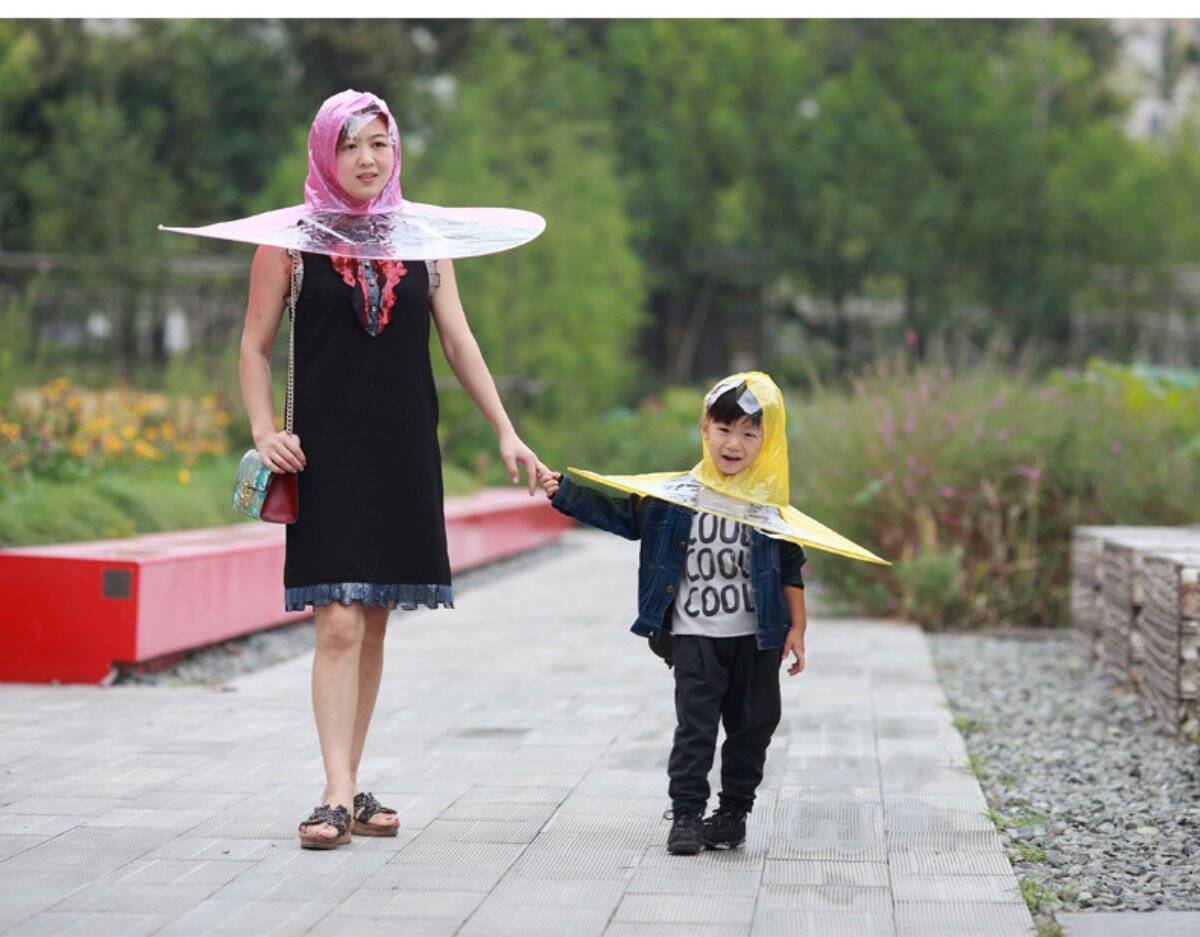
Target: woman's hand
{"points": [[517, 455], [281, 452]]}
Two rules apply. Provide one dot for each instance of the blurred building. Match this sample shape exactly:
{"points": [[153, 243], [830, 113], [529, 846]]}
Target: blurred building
{"points": [[1160, 72]]}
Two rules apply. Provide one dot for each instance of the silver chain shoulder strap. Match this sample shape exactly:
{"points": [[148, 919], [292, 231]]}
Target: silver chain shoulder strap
{"points": [[293, 298]]}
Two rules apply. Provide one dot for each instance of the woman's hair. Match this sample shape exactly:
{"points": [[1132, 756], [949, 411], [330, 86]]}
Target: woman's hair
{"points": [[369, 113], [727, 410]]}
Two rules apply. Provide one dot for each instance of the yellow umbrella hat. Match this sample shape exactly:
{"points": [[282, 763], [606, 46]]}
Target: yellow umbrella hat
{"points": [[758, 496]]}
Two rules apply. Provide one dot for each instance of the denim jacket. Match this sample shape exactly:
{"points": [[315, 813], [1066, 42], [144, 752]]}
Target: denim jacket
{"points": [[664, 529]]}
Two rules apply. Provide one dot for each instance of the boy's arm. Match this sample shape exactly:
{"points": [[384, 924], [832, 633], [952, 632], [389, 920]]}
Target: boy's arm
{"points": [[794, 642], [791, 566], [615, 514]]}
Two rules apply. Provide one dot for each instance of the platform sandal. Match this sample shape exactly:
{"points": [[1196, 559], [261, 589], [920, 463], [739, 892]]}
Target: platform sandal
{"points": [[337, 817], [365, 807]]}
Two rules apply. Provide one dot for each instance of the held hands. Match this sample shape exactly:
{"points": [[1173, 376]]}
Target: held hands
{"points": [[281, 452], [793, 644], [549, 481]]}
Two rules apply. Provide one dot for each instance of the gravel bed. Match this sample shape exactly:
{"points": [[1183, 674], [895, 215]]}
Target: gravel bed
{"points": [[1099, 807], [218, 663]]}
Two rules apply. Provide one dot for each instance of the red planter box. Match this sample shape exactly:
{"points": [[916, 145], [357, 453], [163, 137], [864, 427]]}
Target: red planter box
{"points": [[69, 612]]}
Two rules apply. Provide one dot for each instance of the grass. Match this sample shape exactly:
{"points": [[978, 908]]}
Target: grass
{"points": [[977, 766], [966, 724], [138, 499]]}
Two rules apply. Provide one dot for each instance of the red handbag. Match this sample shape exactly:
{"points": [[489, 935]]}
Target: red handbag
{"points": [[282, 503]]}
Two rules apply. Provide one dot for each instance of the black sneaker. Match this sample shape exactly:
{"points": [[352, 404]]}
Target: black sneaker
{"points": [[725, 829], [687, 835]]}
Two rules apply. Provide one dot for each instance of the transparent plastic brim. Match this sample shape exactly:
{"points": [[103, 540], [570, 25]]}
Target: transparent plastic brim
{"points": [[414, 232]]}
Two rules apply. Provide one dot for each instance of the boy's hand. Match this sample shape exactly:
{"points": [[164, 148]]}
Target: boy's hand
{"points": [[793, 644], [548, 480]]}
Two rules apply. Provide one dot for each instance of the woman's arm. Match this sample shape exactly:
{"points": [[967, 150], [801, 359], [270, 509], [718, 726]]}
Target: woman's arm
{"points": [[270, 278], [466, 361]]}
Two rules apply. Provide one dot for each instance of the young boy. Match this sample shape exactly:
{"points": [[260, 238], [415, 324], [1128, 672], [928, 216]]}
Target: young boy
{"points": [[719, 599]]}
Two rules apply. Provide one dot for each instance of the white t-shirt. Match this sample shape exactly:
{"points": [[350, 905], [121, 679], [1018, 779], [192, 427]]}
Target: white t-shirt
{"points": [[715, 598]]}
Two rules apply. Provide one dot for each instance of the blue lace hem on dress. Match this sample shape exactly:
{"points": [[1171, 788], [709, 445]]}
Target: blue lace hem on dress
{"points": [[392, 595]]}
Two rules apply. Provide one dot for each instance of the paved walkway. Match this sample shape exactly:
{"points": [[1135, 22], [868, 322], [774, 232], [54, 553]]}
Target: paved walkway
{"points": [[524, 739]]}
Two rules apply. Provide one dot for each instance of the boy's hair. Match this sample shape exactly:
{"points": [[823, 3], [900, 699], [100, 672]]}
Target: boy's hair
{"points": [[727, 410]]}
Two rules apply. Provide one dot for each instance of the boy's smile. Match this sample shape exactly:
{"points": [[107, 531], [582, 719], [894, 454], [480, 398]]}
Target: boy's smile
{"points": [[733, 446]]}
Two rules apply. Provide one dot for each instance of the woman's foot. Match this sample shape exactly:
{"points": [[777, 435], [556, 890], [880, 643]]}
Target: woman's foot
{"points": [[326, 828], [371, 818]]}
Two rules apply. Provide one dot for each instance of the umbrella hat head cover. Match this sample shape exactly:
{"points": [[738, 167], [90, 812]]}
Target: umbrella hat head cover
{"points": [[384, 226], [758, 495], [347, 112]]}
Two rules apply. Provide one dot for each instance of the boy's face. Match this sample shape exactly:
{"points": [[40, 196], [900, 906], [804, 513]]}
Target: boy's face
{"points": [[733, 446]]}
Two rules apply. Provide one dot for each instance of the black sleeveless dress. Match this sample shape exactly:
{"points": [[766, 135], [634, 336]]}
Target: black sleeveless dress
{"points": [[371, 525]]}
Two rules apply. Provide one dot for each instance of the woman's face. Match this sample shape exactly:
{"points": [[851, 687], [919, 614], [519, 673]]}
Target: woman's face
{"points": [[364, 160]]}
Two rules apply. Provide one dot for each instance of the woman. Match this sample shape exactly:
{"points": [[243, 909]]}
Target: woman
{"points": [[371, 533]]}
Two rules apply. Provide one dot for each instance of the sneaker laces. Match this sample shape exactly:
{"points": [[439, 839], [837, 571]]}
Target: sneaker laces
{"points": [[671, 814]]}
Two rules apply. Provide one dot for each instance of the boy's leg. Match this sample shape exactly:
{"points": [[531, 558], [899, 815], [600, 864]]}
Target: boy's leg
{"points": [[750, 713], [701, 678]]}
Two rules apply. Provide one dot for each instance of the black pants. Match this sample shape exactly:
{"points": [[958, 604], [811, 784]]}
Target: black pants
{"points": [[725, 680]]}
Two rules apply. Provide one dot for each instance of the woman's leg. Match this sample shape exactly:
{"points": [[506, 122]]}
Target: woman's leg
{"points": [[370, 670], [340, 630]]}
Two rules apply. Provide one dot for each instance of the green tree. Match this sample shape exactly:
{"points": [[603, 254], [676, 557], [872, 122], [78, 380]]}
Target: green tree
{"points": [[555, 319]]}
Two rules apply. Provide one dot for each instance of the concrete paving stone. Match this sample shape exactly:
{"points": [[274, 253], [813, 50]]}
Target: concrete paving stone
{"points": [[139, 818], [918, 816], [854, 898], [1129, 923], [962, 919], [818, 872], [362, 857], [907, 886], [502, 920], [44, 825], [914, 862], [447, 852], [601, 828], [698, 909], [692, 880], [406, 903], [748, 858], [828, 848], [944, 841], [596, 864], [88, 924], [15, 908], [562, 893], [235, 918], [499, 810], [424, 878], [340, 925], [488, 792], [62, 806], [140, 899], [315, 884], [481, 831], [175, 872], [567, 758], [13, 844], [685, 929], [809, 923], [209, 847]]}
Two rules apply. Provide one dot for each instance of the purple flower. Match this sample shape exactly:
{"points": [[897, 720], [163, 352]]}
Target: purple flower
{"points": [[1032, 472], [952, 421], [947, 491], [887, 427], [913, 467], [1001, 435], [998, 400], [923, 390], [910, 338], [909, 487]]}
